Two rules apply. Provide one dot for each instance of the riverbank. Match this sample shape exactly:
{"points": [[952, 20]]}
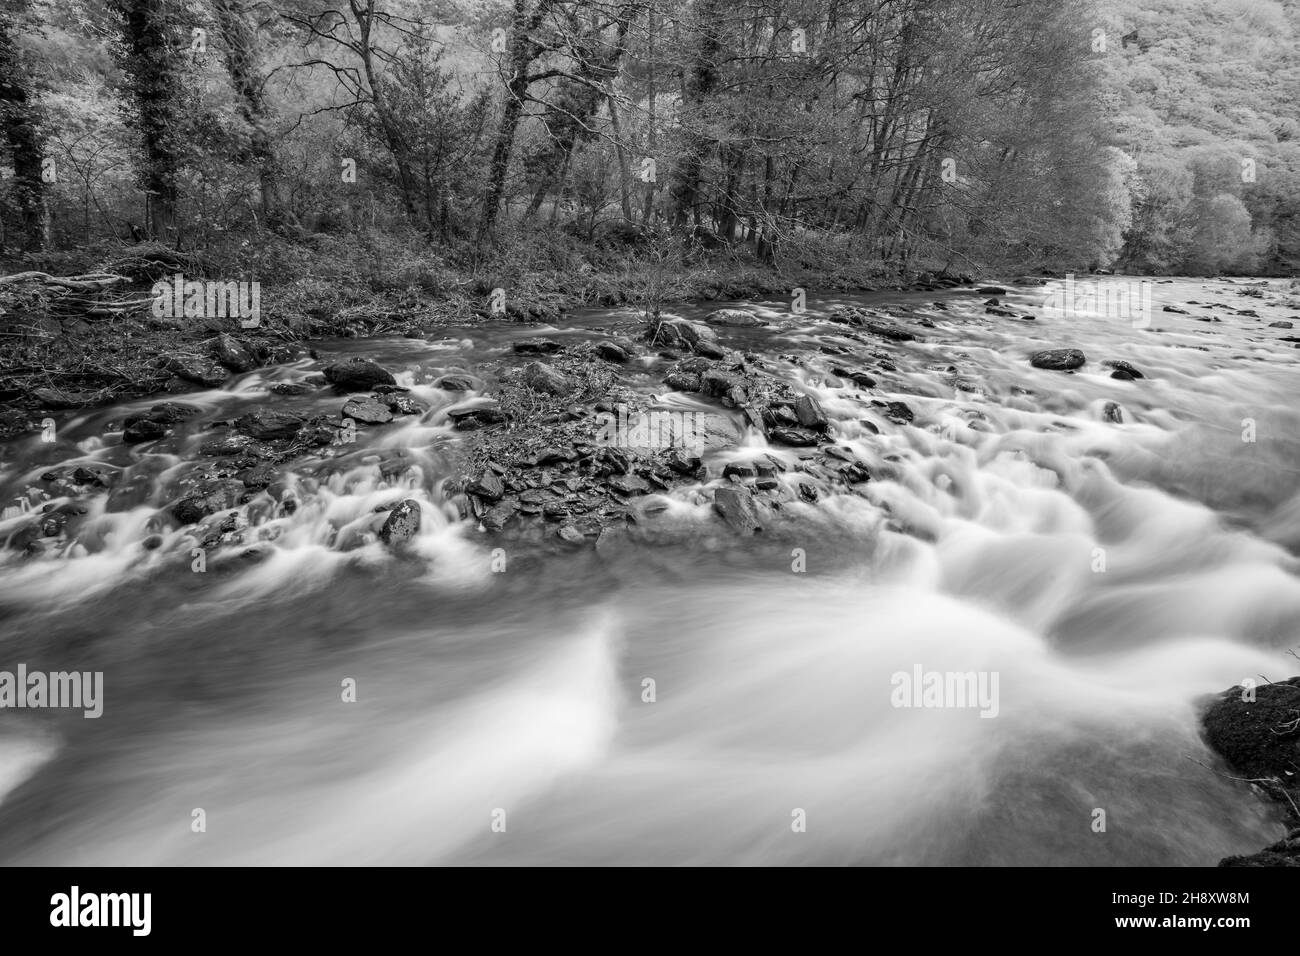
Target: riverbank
{"points": [[77, 345]]}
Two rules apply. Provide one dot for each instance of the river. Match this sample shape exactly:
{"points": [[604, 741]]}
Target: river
{"points": [[1109, 573]]}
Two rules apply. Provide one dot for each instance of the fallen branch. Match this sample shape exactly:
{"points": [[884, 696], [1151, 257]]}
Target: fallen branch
{"points": [[95, 281]]}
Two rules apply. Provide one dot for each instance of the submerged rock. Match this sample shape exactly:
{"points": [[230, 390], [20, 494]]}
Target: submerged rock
{"points": [[143, 429], [537, 347], [733, 317]]}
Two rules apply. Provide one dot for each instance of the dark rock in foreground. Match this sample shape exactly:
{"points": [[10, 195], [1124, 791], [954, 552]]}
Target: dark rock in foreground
{"points": [[1059, 360], [1259, 739]]}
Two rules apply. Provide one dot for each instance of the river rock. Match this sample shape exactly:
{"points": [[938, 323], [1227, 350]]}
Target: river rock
{"points": [[860, 379], [400, 404], [197, 370], [733, 317], [723, 384], [1119, 365], [480, 416], [677, 333], [898, 412], [233, 354], [259, 476], [810, 414], [172, 412], [612, 353], [1060, 360], [543, 378], [735, 505], [367, 411], [537, 347], [794, 437], [709, 350], [1249, 734], [682, 461], [629, 485], [487, 486], [455, 382], [402, 523], [1259, 739], [142, 430], [208, 500], [358, 375], [1112, 413], [266, 424], [1280, 325], [682, 381]]}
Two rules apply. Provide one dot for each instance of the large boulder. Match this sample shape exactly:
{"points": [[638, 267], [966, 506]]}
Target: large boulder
{"points": [[1257, 733]]}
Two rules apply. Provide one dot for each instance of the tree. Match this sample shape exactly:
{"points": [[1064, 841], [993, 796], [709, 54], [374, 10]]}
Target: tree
{"points": [[21, 126], [152, 60]]}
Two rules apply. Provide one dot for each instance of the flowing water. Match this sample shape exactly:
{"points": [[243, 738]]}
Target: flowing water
{"points": [[1109, 573]]}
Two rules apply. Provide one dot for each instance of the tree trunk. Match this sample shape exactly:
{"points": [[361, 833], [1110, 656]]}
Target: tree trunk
{"points": [[152, 64], [242, 63], [20, 124]]}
